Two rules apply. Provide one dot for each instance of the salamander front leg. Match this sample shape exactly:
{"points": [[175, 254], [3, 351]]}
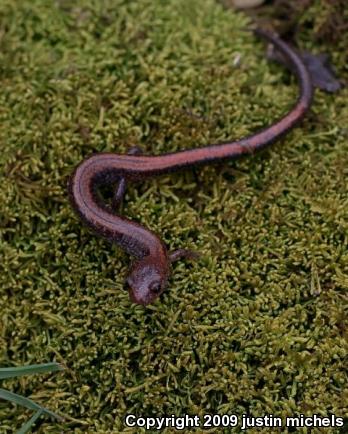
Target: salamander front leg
{"points": [[122, 184], [183, 254]]}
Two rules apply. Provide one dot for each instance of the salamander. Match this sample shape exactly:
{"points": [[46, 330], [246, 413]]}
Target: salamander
{"points": [[149, 273]]}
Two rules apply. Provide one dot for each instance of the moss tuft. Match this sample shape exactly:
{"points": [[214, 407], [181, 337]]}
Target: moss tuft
{"points": [[257, 325]]}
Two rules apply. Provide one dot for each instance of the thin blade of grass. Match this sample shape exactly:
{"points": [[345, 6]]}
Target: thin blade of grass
{"points": [[26, 402], [29, 370], [26, 427]]}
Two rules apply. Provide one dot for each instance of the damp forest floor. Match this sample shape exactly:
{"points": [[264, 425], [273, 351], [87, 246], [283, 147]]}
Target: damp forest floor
{"points": [[257, 325]]}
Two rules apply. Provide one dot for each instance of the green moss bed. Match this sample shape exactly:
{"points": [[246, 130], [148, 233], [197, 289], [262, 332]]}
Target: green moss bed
{"points": [[257, 325]]}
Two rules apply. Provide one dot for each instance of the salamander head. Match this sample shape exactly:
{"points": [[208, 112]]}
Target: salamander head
{"points": [[147, 280]]}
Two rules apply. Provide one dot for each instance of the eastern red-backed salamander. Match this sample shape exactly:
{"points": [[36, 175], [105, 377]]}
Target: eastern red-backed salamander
{"points": [[150, 271]]}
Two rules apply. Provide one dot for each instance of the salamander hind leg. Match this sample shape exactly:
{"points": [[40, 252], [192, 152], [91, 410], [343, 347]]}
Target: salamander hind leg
{"points": [[121, 184], [183, 254]]}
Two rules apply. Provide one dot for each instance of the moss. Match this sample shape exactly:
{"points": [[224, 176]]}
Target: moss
{"points": [[258, 324]]}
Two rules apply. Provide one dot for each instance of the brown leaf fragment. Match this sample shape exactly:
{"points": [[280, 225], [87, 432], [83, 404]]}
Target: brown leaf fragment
{"points": [[321, 71], [318, 65]]}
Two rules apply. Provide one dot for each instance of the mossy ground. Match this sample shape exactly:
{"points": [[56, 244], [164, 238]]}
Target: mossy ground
{"points": [[258, 324]]}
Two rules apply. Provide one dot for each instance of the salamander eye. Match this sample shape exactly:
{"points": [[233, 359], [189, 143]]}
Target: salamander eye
{"points": [[155, 287]]}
